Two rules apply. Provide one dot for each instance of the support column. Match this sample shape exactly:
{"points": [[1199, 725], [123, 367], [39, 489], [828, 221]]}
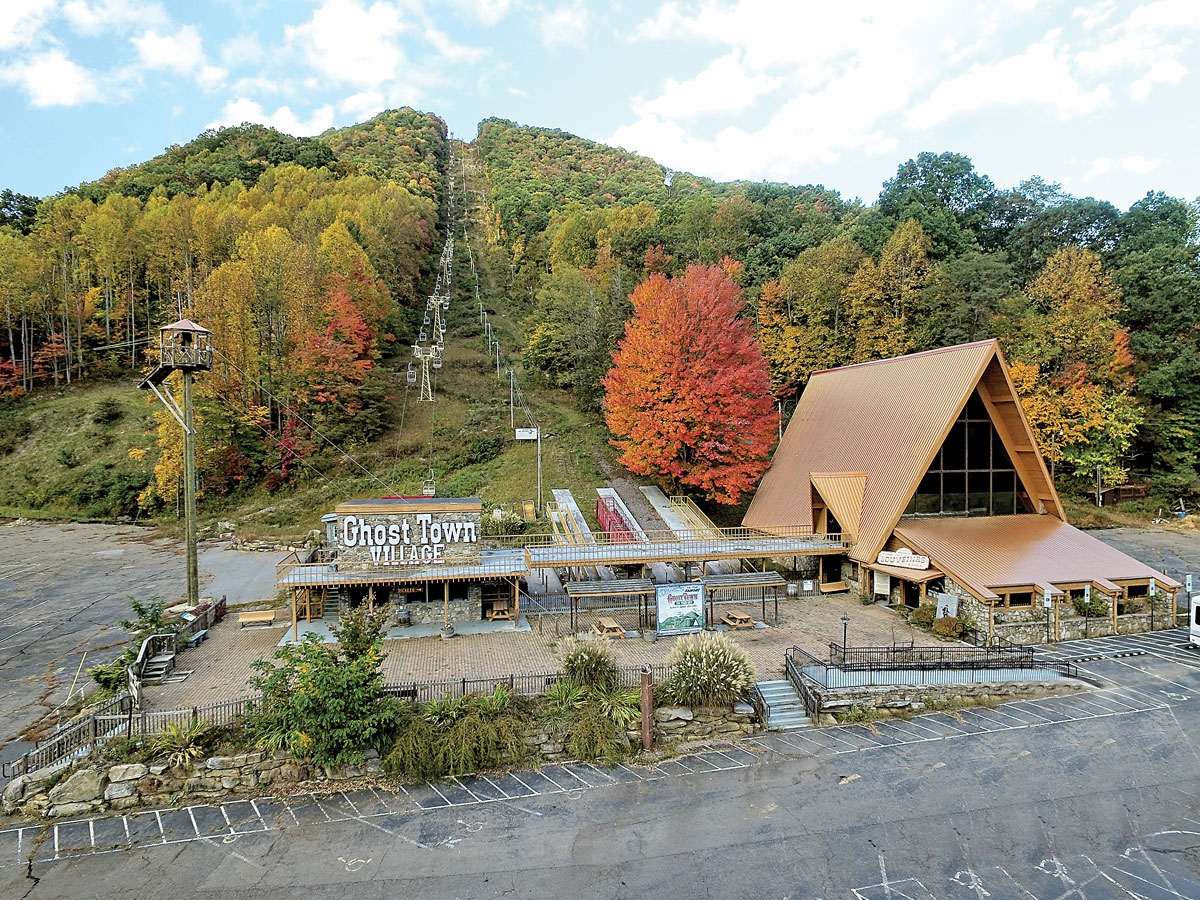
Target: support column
{"points": [[189, 492]]}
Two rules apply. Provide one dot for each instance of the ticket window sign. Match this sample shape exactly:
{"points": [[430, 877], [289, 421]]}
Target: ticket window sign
{"points": [[680, 608]]}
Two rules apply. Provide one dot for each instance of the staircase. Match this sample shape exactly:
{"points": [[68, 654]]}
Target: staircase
{"points": [[158, 667], [785, 709]]}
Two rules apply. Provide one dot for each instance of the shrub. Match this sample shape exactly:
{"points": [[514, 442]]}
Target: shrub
{"points": [[560, 703], [590, 665], [181, 745], [924, 615], [707, 669], [594, 736]]}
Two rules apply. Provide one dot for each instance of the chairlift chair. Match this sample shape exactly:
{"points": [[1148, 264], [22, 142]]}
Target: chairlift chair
{"points": [[426, 318], [441, 345], [437, 362], [422, 336], [412, 374], [429, 486]]}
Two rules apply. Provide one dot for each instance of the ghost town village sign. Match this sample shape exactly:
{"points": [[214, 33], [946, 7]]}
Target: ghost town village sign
{"points": [[409, 531]]}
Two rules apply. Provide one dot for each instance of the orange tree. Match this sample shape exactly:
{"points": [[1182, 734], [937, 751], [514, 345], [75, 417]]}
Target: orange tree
{"points": [[688, 398]]}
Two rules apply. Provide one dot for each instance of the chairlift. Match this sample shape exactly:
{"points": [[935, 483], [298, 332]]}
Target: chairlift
{"points": [[429, 486], [437, 362], [412, 374], [446, 302], [441, 345], [426, 318], [422, 337]]}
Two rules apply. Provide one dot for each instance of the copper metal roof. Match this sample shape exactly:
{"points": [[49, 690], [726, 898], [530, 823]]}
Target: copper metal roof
{"points": [[888, 418], [986, 554], [843, 494]]}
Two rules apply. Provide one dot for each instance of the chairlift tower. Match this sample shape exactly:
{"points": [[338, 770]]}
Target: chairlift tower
{"points": [[184, 347], [425, 355]]}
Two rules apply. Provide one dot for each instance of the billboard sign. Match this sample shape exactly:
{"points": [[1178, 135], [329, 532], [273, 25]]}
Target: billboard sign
{"points": [[680, 607]]}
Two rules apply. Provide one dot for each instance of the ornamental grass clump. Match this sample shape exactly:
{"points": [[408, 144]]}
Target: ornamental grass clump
{"points": [[707, 669], [591, 666]]}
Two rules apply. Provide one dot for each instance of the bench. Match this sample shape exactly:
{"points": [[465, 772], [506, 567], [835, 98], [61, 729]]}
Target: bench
{"points": [[833, 587], [737, 620], [196, 639], [256, 617], [608, 628], [500, 610]]}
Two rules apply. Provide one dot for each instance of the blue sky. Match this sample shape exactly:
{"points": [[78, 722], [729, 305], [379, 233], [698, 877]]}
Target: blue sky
{"points": [[1099, 95]]}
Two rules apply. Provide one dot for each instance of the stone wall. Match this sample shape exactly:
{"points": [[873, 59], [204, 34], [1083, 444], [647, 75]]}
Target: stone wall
{"points": [[94, 789], [434, 611], [910, 699]]}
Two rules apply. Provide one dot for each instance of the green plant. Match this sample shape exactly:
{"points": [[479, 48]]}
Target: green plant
{"points": [[621, 706], [707, 669], [591, 665], [924, 615], [445, 710], [1095, 608], [855, 714], [359, 629], [594, 736], [180, 745]]}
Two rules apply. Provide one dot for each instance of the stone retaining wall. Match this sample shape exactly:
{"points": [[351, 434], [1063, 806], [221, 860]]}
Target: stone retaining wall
{"points": [[910, 699], [94, 789]]}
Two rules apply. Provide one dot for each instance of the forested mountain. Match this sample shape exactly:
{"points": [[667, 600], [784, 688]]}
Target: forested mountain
{"points": [[307, 256], [300, 255], [1098, 310]]}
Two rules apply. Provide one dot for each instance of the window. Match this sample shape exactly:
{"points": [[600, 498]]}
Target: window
{"points": [[1020, 598]]}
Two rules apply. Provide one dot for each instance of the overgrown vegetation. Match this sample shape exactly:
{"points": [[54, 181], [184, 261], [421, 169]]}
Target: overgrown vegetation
{"points": [[149, 619], [707, 669]]}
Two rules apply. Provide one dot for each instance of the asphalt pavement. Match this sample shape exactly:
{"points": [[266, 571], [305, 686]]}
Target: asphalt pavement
{"points": [[1090, 796]]}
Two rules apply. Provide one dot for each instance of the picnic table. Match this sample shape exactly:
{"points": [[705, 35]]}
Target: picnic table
{"points": [[500, 610], [608, 628], [737, 620]]}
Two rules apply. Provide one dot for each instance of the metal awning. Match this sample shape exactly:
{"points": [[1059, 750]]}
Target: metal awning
{"points": [[743, 580], [616, 588], [916, 576]]}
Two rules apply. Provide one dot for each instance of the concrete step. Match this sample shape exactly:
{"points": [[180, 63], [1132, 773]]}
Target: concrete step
{"points": [[785, 709]]}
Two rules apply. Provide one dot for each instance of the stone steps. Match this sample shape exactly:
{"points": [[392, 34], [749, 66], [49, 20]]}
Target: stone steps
{"points": [[785, 709]]}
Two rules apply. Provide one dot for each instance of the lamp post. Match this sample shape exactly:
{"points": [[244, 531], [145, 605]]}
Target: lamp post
{"points": [[845, 628]]}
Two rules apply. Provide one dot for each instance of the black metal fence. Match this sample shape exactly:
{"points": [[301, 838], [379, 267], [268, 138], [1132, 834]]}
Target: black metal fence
{"points": [[119, 718], [946, 657]]}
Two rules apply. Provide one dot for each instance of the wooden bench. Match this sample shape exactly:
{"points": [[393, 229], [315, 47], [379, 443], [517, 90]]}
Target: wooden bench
{"points": [[500, 610], [608, 628], [833, 587], [256, 617], [737, 620]]}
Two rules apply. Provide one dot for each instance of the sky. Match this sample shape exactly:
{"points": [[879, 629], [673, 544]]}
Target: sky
{"points": [[1100, 96]]}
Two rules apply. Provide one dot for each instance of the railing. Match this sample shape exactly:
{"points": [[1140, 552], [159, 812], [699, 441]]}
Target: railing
{"points": [[795, 664], [155, 645], [759, 702], [119, 718], [666, 536], [74, 739], [910, 658]]}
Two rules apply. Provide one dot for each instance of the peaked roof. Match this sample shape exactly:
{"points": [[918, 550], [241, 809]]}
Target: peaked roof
{"points": [[843, 494], [888, 418], [985, 554]]}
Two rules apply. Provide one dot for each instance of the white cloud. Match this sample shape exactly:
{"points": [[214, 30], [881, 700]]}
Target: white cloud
{"points": [[361, 106], [51, 79], [180, 52], [1040, 76], [107, 15], [566, 26], [1095, 15], [1136, 165], [449, 50], [21, 22], [242, 50], [350, 43], [728, 85], [243, 110], [486, 12]]}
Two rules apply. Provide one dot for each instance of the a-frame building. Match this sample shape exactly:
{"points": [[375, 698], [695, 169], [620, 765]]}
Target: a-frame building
{"points": [[928, 459]]}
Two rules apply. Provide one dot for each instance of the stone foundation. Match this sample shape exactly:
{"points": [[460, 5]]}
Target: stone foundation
{"points": [[909, 699]]}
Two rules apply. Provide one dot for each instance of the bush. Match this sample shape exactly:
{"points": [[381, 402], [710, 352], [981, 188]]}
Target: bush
{"points": [[181, 745], [590, 665], [594, 736], [924, 615], [707, 669]]}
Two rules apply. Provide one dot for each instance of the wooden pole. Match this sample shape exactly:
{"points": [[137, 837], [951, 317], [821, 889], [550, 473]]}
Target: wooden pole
{"points": [[189, 493]]}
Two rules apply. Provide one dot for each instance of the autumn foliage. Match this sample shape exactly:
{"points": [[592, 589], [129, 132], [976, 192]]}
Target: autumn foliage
{"points": [[688, 398]]}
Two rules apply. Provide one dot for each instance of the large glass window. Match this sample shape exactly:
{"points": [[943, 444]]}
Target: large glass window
{"points": [[972, 474]]}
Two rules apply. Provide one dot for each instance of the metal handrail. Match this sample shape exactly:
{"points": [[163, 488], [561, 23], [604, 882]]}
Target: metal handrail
{"points": [[885, 658]]}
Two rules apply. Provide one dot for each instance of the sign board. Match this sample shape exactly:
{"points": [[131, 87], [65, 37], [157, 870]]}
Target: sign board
{"points": [[883, 583], [903, 558], [1187, 580], [680, 607], [1047, 601], [947, 604], [410, 531], [1087, 594], [808, 586], [1151, 587], [527, 434]]}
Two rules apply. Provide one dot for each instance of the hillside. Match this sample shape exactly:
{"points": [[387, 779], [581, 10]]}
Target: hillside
{"points": [[311, 259]]}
